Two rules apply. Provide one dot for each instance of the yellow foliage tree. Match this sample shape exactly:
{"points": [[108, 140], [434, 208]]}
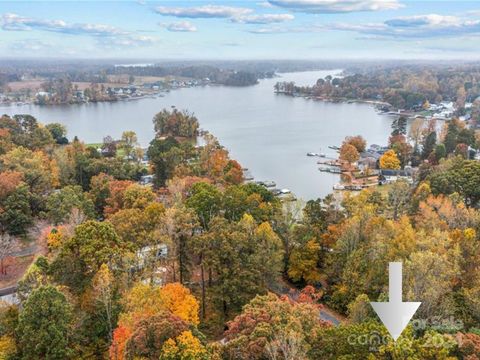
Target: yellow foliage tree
{"points": [[390, 161], [180, 302], [184, 347], [7, 347], [303, 263], [56, 237], [144, 301]]}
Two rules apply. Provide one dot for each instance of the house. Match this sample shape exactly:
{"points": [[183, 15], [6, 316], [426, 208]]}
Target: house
{"points": [[387, 176], [151, 254], [146, 180]]}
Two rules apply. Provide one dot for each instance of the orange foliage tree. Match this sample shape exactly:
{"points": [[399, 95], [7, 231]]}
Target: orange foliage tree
{"points": [[349, 153], [143, 302]]}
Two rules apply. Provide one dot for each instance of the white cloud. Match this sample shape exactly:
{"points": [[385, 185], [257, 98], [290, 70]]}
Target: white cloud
{"points": [[14, 22], [206, 11], [415, 27], [182, 26], [265, 4], [263, 19], [106, 35], [336, 6]]}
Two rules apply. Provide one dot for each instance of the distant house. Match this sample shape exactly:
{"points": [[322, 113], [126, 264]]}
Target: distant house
{"points": [[146, 180], [42, 94], [369, 162], [387, 176]]}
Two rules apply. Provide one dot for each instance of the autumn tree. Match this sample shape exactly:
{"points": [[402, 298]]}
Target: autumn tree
{"points": [[184, 347], [267, 324], [389, 160], [116, 195], [145, 306], [39, 173], [349, 153], [8, 325], [150, 335], [139, 227], [9, 181], [100, 191], [175, 123], [358, 142], [469, 345], [303, 263], [6, 142], [360, 310], [402, 148], [398, 198], [103, 286], [138, 197], [27, 132]]}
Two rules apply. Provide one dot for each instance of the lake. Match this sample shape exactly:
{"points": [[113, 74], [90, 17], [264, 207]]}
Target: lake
{"points": [[268, 133]]}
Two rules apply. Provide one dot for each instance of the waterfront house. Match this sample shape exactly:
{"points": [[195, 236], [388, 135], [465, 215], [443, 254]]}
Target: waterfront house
{"points": [[388, 176]]}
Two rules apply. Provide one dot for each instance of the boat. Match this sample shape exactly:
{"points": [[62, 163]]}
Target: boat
{"points": [[338, 187], [312, 154], [353, 187], [333, 147], [269, 183], [324, 169], [247, 176], [322, 155], [280, 192], [266, 183], [335, 170]]}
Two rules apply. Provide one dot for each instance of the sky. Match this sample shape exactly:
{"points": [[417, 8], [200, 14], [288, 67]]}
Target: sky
{"points": [[256, 29]]}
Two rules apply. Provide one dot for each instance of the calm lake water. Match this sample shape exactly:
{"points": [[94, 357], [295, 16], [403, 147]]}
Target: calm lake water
{"points": [[269, 134]]}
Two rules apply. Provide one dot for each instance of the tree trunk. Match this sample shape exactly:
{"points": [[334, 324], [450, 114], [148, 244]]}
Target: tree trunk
{"points": [[202, 272], [174, 274]]}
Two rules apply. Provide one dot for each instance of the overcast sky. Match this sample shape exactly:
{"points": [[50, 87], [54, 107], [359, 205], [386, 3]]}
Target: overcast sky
{"points": [[270, 29]]}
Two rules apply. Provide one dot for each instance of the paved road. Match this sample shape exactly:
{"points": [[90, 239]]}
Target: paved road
{"points": [[326, 316], [8, 295], [31, 250], [8, 291]]}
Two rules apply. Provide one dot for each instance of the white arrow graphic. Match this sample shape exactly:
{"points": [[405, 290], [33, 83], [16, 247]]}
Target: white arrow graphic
{"points": [[395, 314]]}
